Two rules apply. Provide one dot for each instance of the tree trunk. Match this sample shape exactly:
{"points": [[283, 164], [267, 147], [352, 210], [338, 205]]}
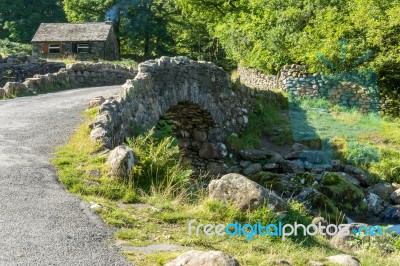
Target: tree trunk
{"points": [[146, 45]]}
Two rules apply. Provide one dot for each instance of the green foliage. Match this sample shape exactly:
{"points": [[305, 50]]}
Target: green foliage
{"points": [[118, 218], [9, 48], [362, 154], [298, 214], [388, 244], [144, 28], [158, 162], [339, 189], [305, 179], [388, 168], [215, 210], [86, 10], [152, 28], [165, 129], [263, 117], [339, 194], [19, 19], [269, 34], [330, 180]]}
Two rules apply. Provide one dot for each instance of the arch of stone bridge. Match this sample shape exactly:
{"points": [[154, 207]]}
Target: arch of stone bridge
{"points": [[162, 84]]}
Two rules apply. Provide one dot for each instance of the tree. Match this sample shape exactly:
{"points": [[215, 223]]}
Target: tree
{"points": [[144, 28], [269, 34], [150, 28], [87, 10], [19, 19], [141, 25]]}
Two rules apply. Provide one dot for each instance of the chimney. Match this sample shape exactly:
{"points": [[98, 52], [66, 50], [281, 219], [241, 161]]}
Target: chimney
{"points": [[109, 21]]}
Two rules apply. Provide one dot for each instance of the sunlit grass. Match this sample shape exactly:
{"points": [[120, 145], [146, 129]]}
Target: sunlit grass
{"points": [[349, 125]]}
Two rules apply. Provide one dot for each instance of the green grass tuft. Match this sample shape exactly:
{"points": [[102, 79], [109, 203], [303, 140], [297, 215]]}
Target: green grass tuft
{"points": [[159, 164]]}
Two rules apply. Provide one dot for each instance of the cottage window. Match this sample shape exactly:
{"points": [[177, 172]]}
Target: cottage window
{"points": [[83, 48], [54, 48]]}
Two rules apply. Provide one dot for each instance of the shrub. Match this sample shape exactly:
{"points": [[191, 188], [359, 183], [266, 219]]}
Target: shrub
{"points": [[158, 163], [362, 154], [389, 167], [8, 48]]}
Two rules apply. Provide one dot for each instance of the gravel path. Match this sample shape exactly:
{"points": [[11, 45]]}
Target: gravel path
{"points": [[41, 223]]}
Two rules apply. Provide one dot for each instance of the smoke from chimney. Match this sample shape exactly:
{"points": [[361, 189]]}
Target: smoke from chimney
{"points": [[113, 13]]}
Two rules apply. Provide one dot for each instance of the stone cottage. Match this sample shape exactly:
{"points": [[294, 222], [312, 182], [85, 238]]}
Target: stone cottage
{"points": [[83, 41]]}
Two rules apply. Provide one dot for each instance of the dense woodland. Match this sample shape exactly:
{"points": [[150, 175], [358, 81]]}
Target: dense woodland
{"points": [[265, 34]]}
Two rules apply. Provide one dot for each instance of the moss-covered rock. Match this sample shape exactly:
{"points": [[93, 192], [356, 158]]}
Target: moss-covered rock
{"points": [[339, 189], [332, 197], [305, 179]]}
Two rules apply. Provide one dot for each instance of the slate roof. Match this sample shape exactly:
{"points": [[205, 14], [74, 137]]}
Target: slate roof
{"points": [[68, 32]]}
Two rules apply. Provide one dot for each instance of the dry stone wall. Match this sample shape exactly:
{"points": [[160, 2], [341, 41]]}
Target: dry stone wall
{"points": [[256, 79], [76, 75], [83, 75], [352, 89], [17, 68]]}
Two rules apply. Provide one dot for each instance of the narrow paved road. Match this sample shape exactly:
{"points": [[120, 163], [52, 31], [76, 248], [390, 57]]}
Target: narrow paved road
{"points": [[41, 223]]}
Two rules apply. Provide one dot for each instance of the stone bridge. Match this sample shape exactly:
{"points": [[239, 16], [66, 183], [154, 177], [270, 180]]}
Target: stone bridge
{"points": [[197, 96]]}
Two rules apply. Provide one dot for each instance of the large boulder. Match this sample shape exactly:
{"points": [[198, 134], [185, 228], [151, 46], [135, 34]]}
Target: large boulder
{"points": [[244, 193], [2, 93], [121, 161], [14, 88], [364, 179], [344, 260], [383, 190], [204, 258]]}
